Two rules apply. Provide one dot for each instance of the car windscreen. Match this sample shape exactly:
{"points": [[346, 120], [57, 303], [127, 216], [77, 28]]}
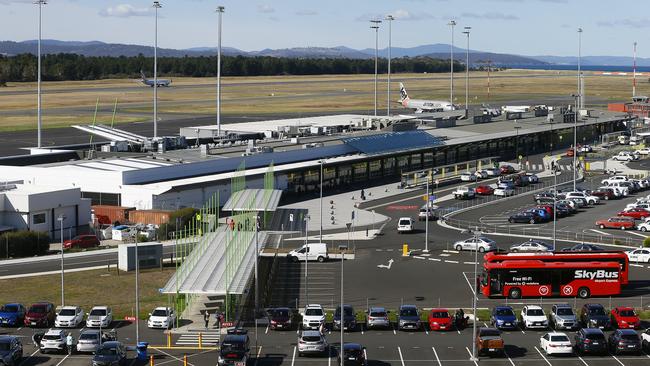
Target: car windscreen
{"points": [[106, 351], [596, 311], [489, 333], [232, 346], [5, 346], [314, 312], [559, 338], [51, 337], [630, 337], [159, 312], [346, 310], [564, 311], [440, 314], [280, 313], [404, 222], [67, 312], [408, 312], [311, 338], [595, 336], [38, 309], [505, 312], [98, 312], [627, 312], [88, 336], [9, 309], [378, 314], [535, 312]]}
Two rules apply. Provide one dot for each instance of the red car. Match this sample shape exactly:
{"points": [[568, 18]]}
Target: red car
{"points": [[484, 190], [440, 319], [40, 314], [635, 213], [625, 317], [623, 223], [547, 208], [507, 169], [81, 241]]}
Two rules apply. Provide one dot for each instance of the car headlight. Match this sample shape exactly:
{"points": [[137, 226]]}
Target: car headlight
{"points": [[500, 321], [594, 321]]}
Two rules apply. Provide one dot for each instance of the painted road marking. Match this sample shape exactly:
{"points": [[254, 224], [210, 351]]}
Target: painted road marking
{"points": [[437, 358], [400, 355], [451, 262], [471, 356], [600, 232], [293, 358], [435, 259], [545, 359]]}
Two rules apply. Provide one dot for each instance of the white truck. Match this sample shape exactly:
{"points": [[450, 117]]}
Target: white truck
{"points": [[310, 252]]}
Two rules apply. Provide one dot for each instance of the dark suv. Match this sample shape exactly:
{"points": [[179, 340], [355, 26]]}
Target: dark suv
{"points": [[280, 318], [40, 314], [590, 340], [409, 318], [349, 318], [594, 316], [11, 351], [234, 348], [624, 341]]}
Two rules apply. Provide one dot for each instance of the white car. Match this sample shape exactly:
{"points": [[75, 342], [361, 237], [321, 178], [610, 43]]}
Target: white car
{"points": [[493, 172], [585, 149], [532, 316], [53, 341], [616, 178], [591, 200], [504, 192], [468, 177], [69, 317], [644, 151], [404, 225], [313, 317], [643, 205], [531, 246], [618, 192], [556, 343], [481, 174], [645, 339], [482, 243], [639, 255], [162, 318], [464, 193], [99, 317], [532, 178], [644, 226]]}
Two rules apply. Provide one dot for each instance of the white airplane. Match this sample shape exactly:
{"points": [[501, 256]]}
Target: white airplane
{"points": [[421, 105], [150, 82], [516, 108]]}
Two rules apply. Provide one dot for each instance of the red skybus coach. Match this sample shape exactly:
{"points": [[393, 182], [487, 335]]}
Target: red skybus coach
{"points": [[535, 278]]}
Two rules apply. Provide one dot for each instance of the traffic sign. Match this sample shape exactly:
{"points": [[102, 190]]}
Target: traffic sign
{"points": [[129, 318], [291, 217], [432, 198]]}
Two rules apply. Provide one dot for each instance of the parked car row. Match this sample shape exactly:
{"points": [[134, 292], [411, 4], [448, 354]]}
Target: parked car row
{"points": [[505, 186]]}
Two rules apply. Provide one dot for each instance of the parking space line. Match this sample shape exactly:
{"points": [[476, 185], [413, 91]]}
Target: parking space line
{"points": [[456, 262], [435, 259], [469, 283], [583, 361], [426, 330], [293, 358], [365, 355], [471, 356], [418, 257], [617, 360], [469, 263], [437, 358], [400, 355], [600, 232], [637, 234], [257, 357], [635, 265], [545, 359], [174, 357], [30, 356]]}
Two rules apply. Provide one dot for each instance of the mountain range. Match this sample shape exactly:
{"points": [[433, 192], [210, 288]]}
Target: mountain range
{"points": [[439, 50]]}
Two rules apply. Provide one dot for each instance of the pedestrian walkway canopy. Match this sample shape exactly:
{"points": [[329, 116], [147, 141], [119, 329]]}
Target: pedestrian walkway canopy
{"points": [[254, 200]]}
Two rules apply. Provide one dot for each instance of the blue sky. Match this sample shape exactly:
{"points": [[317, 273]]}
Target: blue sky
{"points": [[528, 27]]}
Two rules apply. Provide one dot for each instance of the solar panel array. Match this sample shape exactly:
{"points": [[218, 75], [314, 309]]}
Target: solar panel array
{"points": [[393, 141]]}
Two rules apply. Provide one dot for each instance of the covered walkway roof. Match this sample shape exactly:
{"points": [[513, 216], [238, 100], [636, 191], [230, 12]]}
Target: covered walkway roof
{"points": [[254, 200]]}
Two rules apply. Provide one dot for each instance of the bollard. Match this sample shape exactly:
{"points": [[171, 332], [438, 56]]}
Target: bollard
{"points": [[200, 340], [185, 359], [151, 363], [169, 339], [405, 250]]}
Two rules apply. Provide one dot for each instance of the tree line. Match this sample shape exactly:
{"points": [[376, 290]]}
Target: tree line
{"points": [[60, 67]]}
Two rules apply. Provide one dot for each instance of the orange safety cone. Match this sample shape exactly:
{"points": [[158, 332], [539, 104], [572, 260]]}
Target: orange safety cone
{"points": [[151, 363], [185, 360]]}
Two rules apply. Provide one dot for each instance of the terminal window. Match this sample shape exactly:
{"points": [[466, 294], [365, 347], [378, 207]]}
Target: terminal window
{"points": [[39, 218]]}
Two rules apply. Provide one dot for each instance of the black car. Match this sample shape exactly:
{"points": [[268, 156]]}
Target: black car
{"points": [[11, 351], [594, 316], [544, 197], [590, 340], [353, 355], [280, 318], [561, 212], [525, 217], [583, 248], [624, 341], [110, 354], [349, 318], [234, 348]]}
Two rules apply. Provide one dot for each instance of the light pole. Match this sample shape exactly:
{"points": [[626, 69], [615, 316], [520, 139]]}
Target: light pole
{"points": [[517, 143], [137, 290], [375, 25], [634, 73], [342, 249], [306, 263], [40, 4], [321, 202], [477, 234], [60, 219], [452, 24], [426, 227], [390, 19], [466, 32], [156, 6], [575, 137], [220, 10], [579, 69], [554, 204]]}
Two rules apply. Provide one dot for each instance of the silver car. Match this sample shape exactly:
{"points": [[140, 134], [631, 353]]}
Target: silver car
{"points": [[378, 318], [312, 342], [563, 317], [89, 340]]}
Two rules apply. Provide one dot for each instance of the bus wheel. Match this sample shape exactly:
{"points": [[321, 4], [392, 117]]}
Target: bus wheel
{"points": [[583, 292], [515, 293]]}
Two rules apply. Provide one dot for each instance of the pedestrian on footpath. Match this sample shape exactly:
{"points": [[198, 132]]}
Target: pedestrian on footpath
{"points": [[206, 318], [69, 342]]}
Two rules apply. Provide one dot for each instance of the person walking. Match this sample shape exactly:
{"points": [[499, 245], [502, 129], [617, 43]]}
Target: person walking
{"points": [[69, 342], [206, 318]]}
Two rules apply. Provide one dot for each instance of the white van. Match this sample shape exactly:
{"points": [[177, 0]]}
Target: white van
{"points": [[309, 251], [621, 186]]}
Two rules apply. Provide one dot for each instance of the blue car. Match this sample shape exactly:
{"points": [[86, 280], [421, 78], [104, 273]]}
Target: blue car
{"points": [[12, 315], [503, 317], [542, 213]]}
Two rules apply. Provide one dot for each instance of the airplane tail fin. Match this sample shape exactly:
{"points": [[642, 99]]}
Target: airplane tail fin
{"points": [[402, 93]]}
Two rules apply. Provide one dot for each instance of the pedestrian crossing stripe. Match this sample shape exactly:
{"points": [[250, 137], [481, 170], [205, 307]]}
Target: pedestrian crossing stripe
{"points": [[208, 339]]}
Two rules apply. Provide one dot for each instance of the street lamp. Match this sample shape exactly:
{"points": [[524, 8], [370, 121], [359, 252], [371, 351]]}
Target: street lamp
{"points": [[321, 202], [575, 136], [554, 203], [342, 249], [375, 25], [156, 6], [579, 69], [517, 143], [306, 262], [452, 24], [390, 19], [634, 73], [220, 10], [426, 230], [466, 32], [137, 289], [477, 234], [60, 219], [40, 4]]}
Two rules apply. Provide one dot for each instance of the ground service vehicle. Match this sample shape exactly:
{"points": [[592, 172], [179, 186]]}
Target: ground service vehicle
{"points": [[312, 341], [353, 355], [562, 317], [11, 351], [313, 317], [590, 340], [556, 344], [81, 241], [409, 318], [405, 225], [40, 315], [309, 251], [569, 257], [535, 278], [110, 353], [594, 316], [234, 348], [12, 315], [489, 341], [624, 341], [440, 319], [625, 317], [623, 223], [280, 318], [377, 318], [503, 317], [69, 317]]}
